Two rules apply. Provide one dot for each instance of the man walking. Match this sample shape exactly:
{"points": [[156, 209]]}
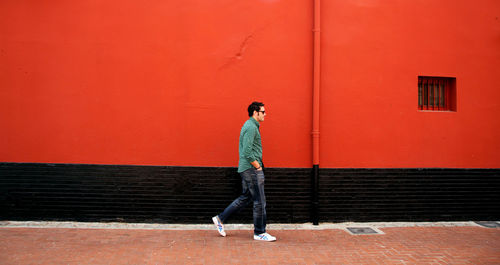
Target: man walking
{"points": [[252, 176]]}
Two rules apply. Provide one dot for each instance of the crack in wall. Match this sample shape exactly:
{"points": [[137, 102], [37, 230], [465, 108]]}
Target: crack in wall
{"points": [[239, 55]]}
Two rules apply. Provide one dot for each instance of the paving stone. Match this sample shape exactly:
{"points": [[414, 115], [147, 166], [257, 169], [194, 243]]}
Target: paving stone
{"points": [[398, 245]]}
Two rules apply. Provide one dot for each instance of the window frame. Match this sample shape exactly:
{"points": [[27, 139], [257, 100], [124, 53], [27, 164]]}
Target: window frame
{"points": [[435, 93]]}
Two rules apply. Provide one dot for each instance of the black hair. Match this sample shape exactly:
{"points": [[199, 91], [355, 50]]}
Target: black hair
{"points": [[255, 106]]}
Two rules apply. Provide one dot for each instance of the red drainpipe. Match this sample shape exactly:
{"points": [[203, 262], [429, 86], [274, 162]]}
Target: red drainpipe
{"points": [[316, 102]]}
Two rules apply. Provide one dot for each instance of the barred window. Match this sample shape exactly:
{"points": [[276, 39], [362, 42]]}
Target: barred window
{"points": [[436, 93]]}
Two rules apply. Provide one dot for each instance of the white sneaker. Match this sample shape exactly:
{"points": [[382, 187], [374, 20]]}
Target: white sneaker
{"points": [[218, 224], [264, 237]]}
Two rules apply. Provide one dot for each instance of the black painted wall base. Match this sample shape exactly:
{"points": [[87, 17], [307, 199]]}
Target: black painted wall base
{"points": [[69, 192], [409, 194]]}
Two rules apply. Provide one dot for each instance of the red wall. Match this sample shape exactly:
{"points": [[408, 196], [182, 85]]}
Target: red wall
{"points": [[373, 53], [155, 82], [168, 82]]}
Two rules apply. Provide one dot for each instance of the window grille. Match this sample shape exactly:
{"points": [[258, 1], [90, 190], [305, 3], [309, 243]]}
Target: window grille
{"points": [[436, 93]]}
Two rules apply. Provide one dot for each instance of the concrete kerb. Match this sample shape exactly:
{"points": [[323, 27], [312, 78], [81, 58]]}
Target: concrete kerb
{"points": [[150, 226]]}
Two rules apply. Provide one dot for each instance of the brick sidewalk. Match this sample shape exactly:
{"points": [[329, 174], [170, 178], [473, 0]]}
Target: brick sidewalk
{"points": [[408, 245]]}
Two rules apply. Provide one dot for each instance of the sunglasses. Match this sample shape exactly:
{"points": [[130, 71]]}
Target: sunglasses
{"points": [[263, 111]]}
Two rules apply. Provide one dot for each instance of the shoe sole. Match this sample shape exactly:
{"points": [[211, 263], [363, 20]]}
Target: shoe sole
{"points": [[214, 219]]}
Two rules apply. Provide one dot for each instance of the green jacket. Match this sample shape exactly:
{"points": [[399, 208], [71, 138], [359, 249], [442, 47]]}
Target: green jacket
{"points": [[250, 148]]}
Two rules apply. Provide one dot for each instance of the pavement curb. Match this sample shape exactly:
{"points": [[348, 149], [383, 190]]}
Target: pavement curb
{"points": [[152, 226]]}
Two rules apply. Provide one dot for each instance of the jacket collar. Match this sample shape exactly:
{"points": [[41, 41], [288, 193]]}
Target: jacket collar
{"points": [[255, 122]]}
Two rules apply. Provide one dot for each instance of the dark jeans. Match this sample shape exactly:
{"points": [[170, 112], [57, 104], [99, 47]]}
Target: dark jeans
{"points": [[252, 182]]}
